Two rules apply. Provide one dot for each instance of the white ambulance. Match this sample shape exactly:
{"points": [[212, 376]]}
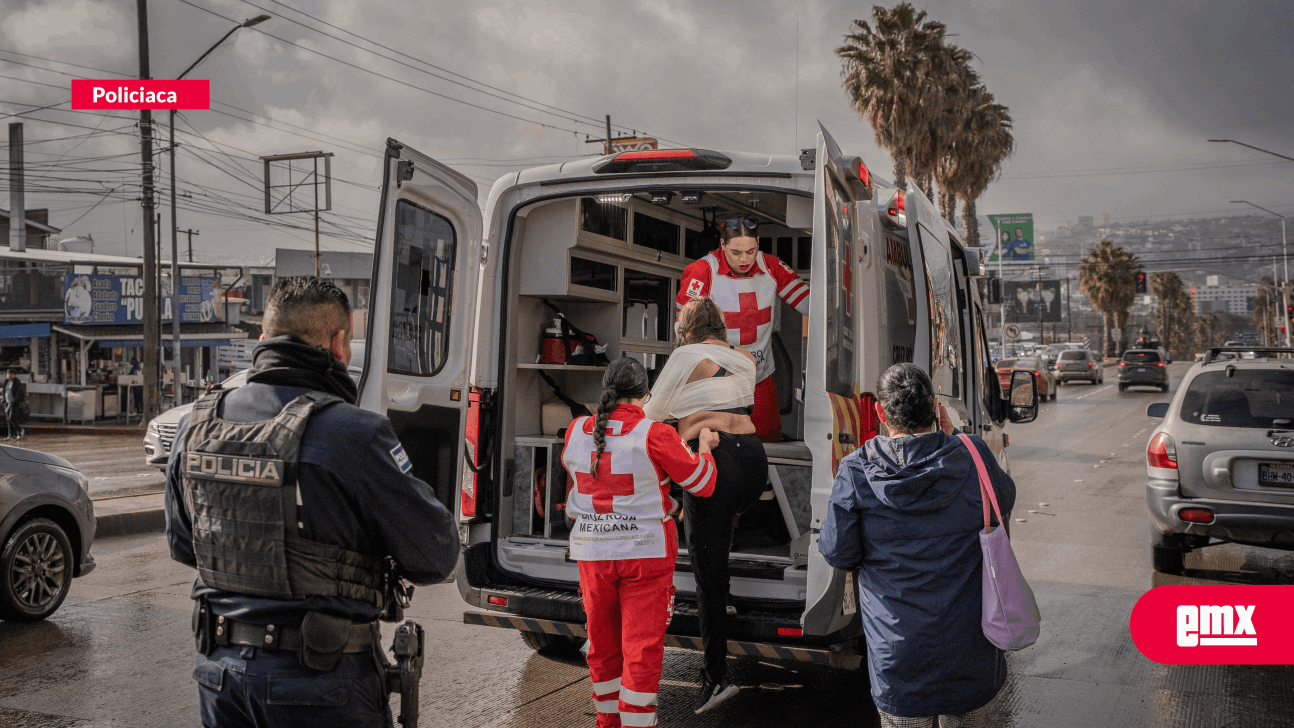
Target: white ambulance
{"points": [[461, 358]]}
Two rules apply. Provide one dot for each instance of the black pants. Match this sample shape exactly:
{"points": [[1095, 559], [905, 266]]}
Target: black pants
{"points": [[11, 417], [743, 471]]}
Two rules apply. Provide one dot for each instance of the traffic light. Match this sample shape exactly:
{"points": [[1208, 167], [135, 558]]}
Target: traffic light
{"points": [[1141, 283], [1289, 312], [995, 290]]}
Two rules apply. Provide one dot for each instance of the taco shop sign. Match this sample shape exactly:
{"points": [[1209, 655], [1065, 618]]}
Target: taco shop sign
{"points": [[104, 299]]}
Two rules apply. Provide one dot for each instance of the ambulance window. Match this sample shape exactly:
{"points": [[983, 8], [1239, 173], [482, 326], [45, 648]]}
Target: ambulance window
{"points": [[840, 291], [605, 219], [945, 324], [900, 313], [785, 250], [420, 297], [766, 245], [695, 246], [988, 377], [650, 232], [647, 306], [803, 253]]}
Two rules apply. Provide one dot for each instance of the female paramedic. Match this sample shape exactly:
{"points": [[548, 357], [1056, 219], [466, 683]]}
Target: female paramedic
{"points": [[746, 284], [708, 384], [624, 539]]}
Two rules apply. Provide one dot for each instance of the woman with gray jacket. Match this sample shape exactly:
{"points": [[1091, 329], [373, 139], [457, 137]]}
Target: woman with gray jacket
{"points": [[906, 514]]}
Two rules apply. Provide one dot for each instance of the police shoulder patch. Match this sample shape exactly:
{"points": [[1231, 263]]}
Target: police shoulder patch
{"points": [[401, 459]]}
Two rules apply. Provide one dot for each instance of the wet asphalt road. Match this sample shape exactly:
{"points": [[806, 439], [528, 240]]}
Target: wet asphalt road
{"points": [[119, 652], [114, 464]]}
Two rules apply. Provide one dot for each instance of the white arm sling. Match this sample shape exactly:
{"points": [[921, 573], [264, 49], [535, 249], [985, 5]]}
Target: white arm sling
{"points": [[673, 398]]}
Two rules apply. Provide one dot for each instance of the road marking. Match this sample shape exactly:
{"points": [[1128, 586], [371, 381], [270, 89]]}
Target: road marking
{"points": [[1098, 391]]}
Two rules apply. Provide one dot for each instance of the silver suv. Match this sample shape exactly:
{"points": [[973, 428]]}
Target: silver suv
{"points": [[1221, 465], [1079, 364]]}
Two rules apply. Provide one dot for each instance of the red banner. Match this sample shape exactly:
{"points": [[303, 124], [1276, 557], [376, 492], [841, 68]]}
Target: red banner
{"points": [[135, 95], [1215, 625]]}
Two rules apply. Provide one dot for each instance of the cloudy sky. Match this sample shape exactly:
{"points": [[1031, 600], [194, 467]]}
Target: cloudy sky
{"points": [[1113, 101]]}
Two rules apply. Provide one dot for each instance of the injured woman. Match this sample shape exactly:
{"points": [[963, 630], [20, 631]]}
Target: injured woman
{"points": [[708, 383]]}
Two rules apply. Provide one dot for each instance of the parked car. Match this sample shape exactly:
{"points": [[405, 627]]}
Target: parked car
{"points": [[1143, 368], [45, 532], [1221, 464], [161, 430], [1079, 364], [1046, 381]]}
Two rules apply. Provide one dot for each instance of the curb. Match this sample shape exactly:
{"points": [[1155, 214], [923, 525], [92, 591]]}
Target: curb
{"points": [[152, 520], [74, 430]]}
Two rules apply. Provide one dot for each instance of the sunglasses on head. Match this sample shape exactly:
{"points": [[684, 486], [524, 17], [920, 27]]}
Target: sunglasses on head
{"points": [[736, 223]]}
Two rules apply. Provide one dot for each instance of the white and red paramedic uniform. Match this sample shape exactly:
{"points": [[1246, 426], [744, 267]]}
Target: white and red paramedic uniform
{"points": [[626, 546], [748, 304]]}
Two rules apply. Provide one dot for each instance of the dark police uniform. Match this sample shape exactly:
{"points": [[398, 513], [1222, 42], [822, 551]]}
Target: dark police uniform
{"points": [[355, 503]]}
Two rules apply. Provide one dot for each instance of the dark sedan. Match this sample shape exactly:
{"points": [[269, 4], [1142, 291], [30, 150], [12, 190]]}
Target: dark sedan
{"points": [[1143, 368], [46, 528]]}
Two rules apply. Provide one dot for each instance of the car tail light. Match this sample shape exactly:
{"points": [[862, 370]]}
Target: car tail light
{"points": [[1092, 364], [1162, 452], [663, 160], [472, 438], [1196, 515], [790, 632], [1123, 363], [1159, 363], [497, 601]]}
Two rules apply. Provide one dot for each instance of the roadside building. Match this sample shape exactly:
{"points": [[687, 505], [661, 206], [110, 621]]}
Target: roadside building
{"points": [[39, 233], [1223, 299]]}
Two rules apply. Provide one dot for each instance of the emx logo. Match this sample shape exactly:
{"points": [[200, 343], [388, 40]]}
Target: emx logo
{"points": [[1215, 625]]}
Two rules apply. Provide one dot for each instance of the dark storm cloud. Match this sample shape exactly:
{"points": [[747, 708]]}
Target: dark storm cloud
{"points": [[1092, 86]]}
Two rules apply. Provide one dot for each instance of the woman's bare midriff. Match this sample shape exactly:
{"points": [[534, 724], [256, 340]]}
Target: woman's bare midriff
{"points": [[690, 426]]}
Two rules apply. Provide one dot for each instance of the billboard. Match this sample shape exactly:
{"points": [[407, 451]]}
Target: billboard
{"points": [[1014, 237], [1024, 301], [104, 299]]}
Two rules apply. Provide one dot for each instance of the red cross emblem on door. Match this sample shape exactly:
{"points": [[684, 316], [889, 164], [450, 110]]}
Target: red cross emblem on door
{"points": [[602, 484], [748, 318]]}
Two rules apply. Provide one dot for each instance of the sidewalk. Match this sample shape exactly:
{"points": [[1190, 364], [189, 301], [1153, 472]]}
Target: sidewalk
{"points": [[129, 514]]}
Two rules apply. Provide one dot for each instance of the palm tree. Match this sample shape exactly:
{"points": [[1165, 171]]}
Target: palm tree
{"points": [[982, 143], [1107, 275], [945, 141], [1167, 287], [946, 83], [885, 66]]}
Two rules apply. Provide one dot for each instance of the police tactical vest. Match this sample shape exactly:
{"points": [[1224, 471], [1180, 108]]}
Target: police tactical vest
{"points": [[240, 487]]}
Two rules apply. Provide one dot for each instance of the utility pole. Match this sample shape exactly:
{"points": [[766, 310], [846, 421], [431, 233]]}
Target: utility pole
{"points": [[150, 321], [190, 233], [1042, 335], [17, 200], [1069, 313]]}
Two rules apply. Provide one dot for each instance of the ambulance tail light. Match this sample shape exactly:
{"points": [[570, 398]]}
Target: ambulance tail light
{"points": [[790, 632], [662, 160], [860, 172], [1162, 452], [471, 453]]}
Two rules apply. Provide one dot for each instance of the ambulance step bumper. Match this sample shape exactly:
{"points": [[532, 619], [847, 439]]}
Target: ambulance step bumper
{"points": [[841, 658]]}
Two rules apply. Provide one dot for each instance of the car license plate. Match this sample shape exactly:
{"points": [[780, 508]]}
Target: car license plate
{"points": [[1280, 475]]}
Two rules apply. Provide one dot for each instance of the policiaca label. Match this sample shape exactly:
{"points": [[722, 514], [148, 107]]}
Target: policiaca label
{"points": [[261, 471]]}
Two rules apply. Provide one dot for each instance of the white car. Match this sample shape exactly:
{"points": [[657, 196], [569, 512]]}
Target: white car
{"points": [[161, 430]]}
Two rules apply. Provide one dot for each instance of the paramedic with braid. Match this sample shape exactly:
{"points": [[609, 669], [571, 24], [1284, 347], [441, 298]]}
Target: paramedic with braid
{"points": [[708, 383], [625, 540], [746, 284]]}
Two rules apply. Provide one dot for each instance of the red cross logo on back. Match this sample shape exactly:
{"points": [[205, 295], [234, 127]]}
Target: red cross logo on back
{"points": [[602, 484], [748, 318]]}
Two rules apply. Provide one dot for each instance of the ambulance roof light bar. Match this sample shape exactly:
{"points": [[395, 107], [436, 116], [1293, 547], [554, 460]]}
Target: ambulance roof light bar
{"points": [[662, 160]]}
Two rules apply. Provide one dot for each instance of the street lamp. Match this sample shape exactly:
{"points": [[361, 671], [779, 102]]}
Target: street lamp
{"points": [[1260, 149], [1285, 290], [175, 226]]}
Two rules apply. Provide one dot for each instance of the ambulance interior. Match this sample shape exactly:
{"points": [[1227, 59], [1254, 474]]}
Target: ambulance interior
{"points": [[611, 263]]}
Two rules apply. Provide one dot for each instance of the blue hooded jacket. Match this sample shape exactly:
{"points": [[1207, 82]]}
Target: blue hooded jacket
{"points": [[905, 513]]}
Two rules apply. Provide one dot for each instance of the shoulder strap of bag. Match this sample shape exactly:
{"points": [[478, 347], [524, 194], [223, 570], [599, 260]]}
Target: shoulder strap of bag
{"points": [[985, 485]]}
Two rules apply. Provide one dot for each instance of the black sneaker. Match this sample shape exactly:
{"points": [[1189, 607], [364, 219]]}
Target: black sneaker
{"points": [[714, 694]]}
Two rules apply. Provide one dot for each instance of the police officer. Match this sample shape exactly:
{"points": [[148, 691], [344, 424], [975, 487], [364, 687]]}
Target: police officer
{"points": [[288, 499]]}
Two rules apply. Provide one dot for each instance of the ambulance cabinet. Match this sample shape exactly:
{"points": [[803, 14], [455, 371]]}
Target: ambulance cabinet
{"points": [[539, 485]]}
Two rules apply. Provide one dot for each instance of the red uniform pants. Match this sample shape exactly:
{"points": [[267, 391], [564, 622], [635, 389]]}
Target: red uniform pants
{"points": [[766, 415], [629, 604]]}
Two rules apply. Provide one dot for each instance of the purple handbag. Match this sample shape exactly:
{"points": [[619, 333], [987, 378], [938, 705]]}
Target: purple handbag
{"points": [[1011, 618]]}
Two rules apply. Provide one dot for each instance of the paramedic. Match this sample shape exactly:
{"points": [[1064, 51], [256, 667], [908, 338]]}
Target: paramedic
{"points": [[708, 383], [906, 513], [624, 539], [285, 615], [746, 284]]}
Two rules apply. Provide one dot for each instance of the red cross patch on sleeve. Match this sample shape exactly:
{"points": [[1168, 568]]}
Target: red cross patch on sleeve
{"points": [[695, 288]]}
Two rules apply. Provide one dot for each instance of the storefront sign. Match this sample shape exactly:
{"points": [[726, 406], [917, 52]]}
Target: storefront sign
{"points": [[100, 299]]}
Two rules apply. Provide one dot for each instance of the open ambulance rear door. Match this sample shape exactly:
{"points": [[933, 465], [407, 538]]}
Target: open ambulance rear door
{"points": [[833, 422], [426, 266]]}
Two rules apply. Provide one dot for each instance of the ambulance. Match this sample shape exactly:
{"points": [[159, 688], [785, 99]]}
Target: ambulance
{"points": [[461, 357]]}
